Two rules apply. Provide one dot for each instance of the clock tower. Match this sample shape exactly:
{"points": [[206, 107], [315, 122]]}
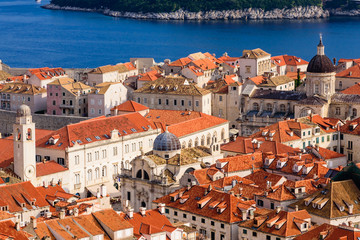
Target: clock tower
{"points": [[24, 144]]}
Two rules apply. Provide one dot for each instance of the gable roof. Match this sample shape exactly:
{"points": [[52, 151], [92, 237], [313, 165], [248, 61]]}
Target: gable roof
{"points": [[22, 88], [255, 53], [242, 162], [182, 62], [149, 76], [352, 72], [353, 90], [47, 73], [97, 129], [130, 106], [330, 232]]}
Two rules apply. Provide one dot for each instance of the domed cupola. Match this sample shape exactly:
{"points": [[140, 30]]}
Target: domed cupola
{"points": [[320, 63], [167, 145]]}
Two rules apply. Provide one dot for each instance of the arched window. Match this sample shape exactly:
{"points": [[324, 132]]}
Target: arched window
{"points": [[190, 143], [255, 106], [146, 175], [104, 171], [143, 204], [282, 108], [18, 134], [89, 176], [354, 112], [28, 134], [222, 134], [208, 139], [316, 88], [202, 140], [139, 174], [97, 173], [127, 165], [183, 145], [196, 142], [269, 107]]}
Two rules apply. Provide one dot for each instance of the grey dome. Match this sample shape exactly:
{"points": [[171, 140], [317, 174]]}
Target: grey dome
{"points": [[167, 142], [320, 64], [23, 111]]}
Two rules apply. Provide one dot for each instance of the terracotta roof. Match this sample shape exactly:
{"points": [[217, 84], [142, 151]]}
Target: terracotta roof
{"points": [[275, 81], [352, 72], [328, 154], [336, 194], [354, 90], [228, 58], [130, 106], [281, 224], [112, 220], [14, 194], [47, 73], [244, 145], [284, 131], [294, 75], [173, 86], [149, 76], [228, 181], [109, 68], [242, 162], [5, 215], [22, 88], [330, 232], [289, 60], [130, 66], [39, 133], [8, 231], [182, 62], [182, 123], [6, 152], [97, 129], [258, 79], [351, 127], [152, 222], [261, 177], [197, 71], [47, 168], [204, 64], [62, 81], [229, 206]]}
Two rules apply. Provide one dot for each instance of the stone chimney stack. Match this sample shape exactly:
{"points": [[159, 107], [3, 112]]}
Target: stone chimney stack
{"points": [[33, 222], [142, 211], [161, 207]]}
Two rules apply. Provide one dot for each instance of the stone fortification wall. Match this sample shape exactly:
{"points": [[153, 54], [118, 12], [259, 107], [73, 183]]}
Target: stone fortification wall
{"points": [[42, 121]]}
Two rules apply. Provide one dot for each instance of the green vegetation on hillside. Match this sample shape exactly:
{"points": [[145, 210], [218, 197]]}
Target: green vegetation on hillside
{"points": [[190, 5]]}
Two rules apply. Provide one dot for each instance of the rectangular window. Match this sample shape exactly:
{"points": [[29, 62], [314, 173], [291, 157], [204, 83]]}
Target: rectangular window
{"points": [[159, 101], [254, 234], [350, 145], [317, 140], [350, 157], [175, 213], [145, 100], [61, 161], [268, 237], [97, 155], [77, 160], [189, 103], [89, 158], [196, 103], [222, 236], [115, 151], [328, 138], [322, 139], [182, 102], [304, 134], [77, 178], [272, 205], [203, 220], [184, 215], [304, 144], [175, 102], [104, 154], [166, 210], [129, 196], [193, 218], [212, 223], [341, 150], [166, 101], [220, 98], [244, 231], [222, 225]]}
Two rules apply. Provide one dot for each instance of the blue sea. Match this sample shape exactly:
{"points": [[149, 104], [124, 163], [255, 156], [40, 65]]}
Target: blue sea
{"points": [[34, 37]]}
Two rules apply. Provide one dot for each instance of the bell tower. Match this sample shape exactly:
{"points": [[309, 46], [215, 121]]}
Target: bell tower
{"points": [[24, 144]]}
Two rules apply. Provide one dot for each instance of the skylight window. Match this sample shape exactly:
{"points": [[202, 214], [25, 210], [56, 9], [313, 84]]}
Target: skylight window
{"points": [[97, 137], [107, 136], [144, 128], [73, 142], [133, 130], [124, 131], [88, 139], [79, 141], [59, 144]]}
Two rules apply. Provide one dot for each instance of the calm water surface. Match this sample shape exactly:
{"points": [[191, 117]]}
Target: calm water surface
{"points": [[33, 37]]}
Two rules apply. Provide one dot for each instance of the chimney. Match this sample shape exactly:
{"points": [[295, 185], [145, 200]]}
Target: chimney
{"points": [[251, 214], [17, 226], [161, 207], [351, 208], [130, 212], [103, 190], [60, 183], [296, 208], [33, 222], [243, 214], [98, 193], [188, 187], [278, 209], [76, 212], [142, 211], [62, 214], [114, 134]]}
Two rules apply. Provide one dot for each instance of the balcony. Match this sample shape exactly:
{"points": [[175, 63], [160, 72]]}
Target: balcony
{"points": [[66, 106]]}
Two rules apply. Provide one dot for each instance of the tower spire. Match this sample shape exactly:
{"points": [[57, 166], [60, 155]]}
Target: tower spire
{"points": [[320, 47]]}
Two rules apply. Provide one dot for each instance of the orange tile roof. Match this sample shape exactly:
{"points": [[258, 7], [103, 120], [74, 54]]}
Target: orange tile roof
{"points": [[288, 60], [20, 191], [130, 66], [282, 130], [261, 177], [330, 232], [278, 60], [232, 204], [228, 58], [149, 76], [5, 215], [8, 231], [130, 106], [351, 127], [353, 90], [48, 167], [97, 129], [112, 220], [182, 123], [47, 73], [205, 64], [325, 124], [152, 222], [228, 181], [244, 145], [352, 72], [258, 79], [6, 152], [182, 62], [328, 154], [197, 71], [242, 162], [289, 229]]}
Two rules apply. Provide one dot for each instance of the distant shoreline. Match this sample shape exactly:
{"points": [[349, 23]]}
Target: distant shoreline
{"points": [[296, 13], [309, 12]]}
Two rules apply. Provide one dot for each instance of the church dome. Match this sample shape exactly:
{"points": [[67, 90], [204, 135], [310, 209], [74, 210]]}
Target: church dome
{"points": [[23, 111], [167, 142], [320, 63]]}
